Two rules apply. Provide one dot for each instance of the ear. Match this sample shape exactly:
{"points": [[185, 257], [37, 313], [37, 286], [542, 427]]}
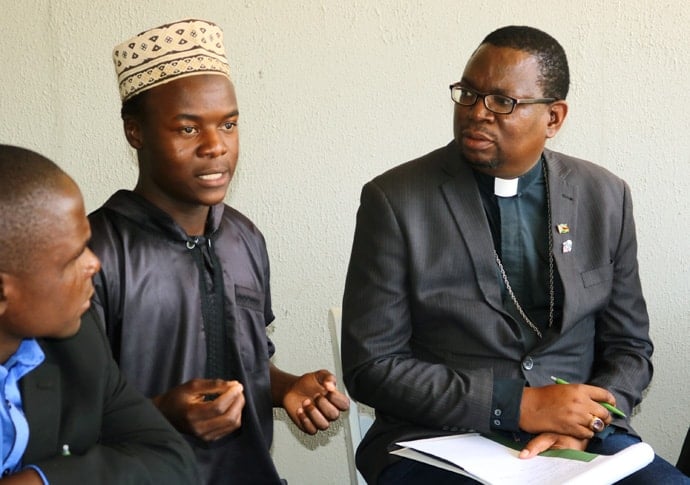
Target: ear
{"points": [[133, 132], [558, 110]]}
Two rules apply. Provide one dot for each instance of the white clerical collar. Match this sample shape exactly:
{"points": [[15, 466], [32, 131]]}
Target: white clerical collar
{"points": [[506, 187]]}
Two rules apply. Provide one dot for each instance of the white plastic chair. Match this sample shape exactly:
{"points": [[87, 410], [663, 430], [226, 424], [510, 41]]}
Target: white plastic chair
{"points": [[360, 417]]}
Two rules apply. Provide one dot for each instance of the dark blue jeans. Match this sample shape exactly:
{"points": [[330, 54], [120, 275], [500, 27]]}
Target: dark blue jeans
{"points": [[658, 472]]}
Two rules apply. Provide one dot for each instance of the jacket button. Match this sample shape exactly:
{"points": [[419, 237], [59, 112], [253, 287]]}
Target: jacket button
{"points": [[527, 363]]}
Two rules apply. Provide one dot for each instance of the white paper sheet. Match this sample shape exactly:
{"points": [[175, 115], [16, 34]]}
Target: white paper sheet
{"points": [[493, 463]]}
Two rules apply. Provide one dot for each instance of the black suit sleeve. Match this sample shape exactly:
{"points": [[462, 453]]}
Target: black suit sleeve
{"points": [[115, 435]]}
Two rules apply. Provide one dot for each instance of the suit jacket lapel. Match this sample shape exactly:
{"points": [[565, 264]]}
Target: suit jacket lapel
{"points": [[41, 400], [563, 199], [462, 196]]}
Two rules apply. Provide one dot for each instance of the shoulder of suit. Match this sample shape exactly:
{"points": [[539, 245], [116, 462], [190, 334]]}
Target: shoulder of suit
{"points": [[421, 169], [569, 166]]}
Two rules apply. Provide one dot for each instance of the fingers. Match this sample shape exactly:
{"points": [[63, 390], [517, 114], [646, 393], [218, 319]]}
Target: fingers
{"points": [[537, 444], [310, 418], [332, 402], [323, 376], [316, 414], [226, 418], [597, 424], [210, 389], [551, 441], [590, 424], [313, 401], [599, 394], [566, 408], [216, 409], [598, 416], [599, 420], [332, 394]]}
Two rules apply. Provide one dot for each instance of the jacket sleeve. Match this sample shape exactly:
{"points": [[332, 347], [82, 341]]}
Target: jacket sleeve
{"points": [[118, 436], [623, 348], [379, 365]]}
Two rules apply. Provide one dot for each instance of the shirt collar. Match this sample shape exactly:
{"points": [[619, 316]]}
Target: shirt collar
{"points": [[28, 356], [486, 182]]}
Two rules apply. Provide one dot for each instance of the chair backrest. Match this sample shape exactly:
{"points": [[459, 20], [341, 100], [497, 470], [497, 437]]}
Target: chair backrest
{"points": [[359, 417], [684, 458]]}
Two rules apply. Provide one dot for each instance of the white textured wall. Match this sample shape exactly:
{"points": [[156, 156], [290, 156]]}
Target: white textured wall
{"points": [[332, 93]]}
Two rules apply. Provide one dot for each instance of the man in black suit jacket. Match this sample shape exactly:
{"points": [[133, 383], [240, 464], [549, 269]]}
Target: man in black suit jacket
{"points": [[68, 414], [483, 268]]}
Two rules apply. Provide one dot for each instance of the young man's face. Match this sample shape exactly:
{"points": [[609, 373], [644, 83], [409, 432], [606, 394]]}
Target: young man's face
{"points": [[187, 142], [49, 299]]}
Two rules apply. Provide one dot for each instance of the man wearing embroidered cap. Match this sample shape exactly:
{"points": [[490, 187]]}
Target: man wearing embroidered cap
{"points": [[184, 287]]}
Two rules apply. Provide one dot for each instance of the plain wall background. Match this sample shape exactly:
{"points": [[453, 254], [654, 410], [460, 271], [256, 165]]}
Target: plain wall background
{"points": [[332, 93]]}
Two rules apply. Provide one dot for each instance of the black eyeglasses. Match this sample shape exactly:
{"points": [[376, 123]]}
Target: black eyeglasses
{"points": [[496, 103]]}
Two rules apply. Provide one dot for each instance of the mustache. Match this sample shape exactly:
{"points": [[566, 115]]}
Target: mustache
{"points": [[476, 132]]}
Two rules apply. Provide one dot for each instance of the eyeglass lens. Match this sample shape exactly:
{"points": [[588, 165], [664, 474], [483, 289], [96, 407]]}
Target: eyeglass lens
{"points": [[493, 102]]}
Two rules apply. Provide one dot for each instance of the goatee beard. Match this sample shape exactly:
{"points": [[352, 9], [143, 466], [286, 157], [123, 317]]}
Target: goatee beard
{"points": [[490, 165]]}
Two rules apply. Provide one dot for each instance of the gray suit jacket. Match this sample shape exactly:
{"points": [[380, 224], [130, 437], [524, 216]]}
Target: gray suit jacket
{"points": [[425, 332]]}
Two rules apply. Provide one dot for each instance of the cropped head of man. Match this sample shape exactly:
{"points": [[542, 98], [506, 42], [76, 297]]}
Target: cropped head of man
{"points": [[510, 100], [45, 264]]}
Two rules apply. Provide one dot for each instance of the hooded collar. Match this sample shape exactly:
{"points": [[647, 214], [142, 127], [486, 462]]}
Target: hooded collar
{"points": [[151, 218]]}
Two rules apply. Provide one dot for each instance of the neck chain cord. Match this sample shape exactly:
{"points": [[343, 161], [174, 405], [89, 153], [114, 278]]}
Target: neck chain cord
{"points": [[551, 285]]}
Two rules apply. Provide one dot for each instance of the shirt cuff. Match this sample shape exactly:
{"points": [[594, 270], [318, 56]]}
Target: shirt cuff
{"points": [[40, 473], [505, 404]]}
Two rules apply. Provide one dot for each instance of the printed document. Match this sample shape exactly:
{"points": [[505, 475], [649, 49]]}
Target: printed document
{"points": [[493, 463]]}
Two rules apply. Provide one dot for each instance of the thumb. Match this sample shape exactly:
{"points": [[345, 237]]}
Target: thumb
{"points": [[326, 379]]}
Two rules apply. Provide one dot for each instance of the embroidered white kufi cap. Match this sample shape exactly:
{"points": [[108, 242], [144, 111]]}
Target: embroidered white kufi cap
{"points": [[162, 54]]}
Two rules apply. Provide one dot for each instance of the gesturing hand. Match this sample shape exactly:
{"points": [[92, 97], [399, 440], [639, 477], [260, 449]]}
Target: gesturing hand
{"points": [[312, 401], [206, 408]]}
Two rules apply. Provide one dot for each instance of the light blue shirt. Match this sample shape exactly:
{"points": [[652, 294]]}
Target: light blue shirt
{"points": [[14, 427]]}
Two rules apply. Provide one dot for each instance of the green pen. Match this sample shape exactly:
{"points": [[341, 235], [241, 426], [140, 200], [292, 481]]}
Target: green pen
{"points": [[612, 409]]}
